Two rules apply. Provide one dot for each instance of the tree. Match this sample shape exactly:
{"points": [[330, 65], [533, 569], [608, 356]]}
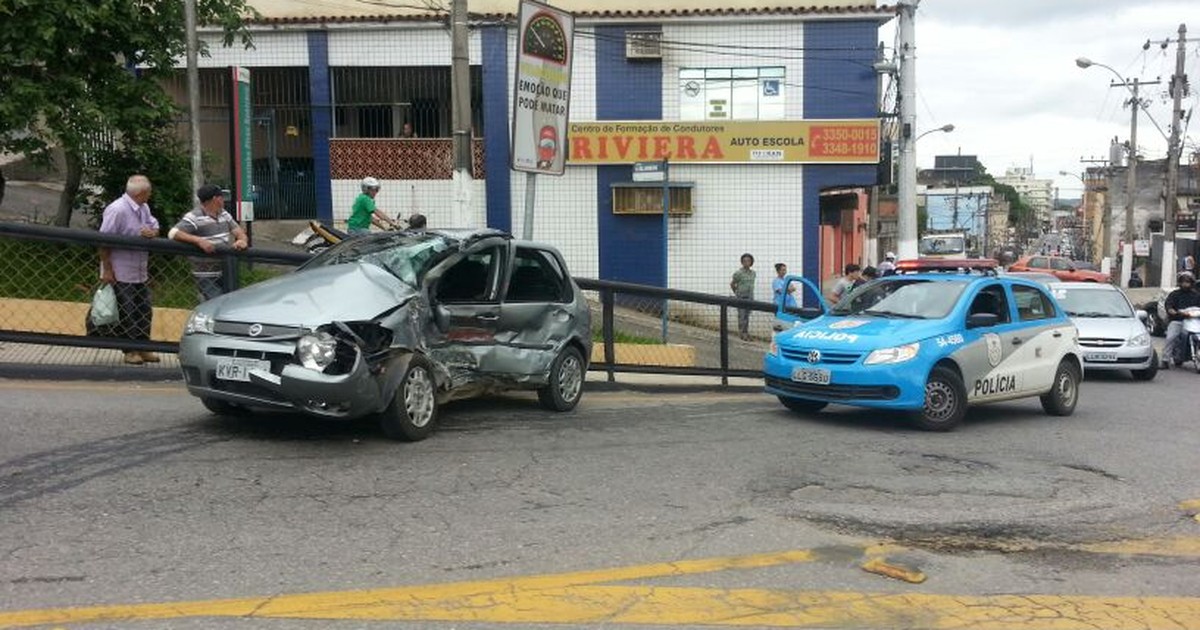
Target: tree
{"points": [[84, 77]]}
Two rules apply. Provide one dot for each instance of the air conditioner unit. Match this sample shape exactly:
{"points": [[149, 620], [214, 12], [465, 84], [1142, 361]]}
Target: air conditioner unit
{"points": [[643, 45]]}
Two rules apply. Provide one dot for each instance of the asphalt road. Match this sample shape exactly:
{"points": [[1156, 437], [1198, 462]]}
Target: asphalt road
{"points": [[638, 510]]}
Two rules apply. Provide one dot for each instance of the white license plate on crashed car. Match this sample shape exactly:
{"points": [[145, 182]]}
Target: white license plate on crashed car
{"points": [[239, 369], [814, 376], [1100, 357]]}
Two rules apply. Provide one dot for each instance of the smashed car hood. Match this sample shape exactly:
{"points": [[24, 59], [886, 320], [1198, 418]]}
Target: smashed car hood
{"points": [[312, 297]]}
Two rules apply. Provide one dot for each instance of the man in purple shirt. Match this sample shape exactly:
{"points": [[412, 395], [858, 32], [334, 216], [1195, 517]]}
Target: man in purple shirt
{"points": [[127, 269]]}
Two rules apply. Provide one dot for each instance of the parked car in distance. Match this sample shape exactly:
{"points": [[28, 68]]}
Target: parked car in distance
{"points": [[1112, 333], [393, 324], [1062, 268], [929, 343]]}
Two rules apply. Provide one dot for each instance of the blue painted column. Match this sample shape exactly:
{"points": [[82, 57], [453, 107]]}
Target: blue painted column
{"points": [[320, 91], [630, 245], [839, 85], [496, 128]]}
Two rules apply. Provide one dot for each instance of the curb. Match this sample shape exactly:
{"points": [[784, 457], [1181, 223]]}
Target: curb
{"points": [[28, 371]]}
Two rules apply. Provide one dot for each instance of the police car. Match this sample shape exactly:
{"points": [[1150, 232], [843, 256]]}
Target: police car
{"points": [[937, 337]]}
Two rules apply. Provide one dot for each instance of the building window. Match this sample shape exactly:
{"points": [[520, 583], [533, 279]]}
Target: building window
{"points": [[731, 93], [647, 198]]}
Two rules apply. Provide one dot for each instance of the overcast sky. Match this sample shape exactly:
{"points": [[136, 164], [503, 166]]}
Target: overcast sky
{"points": [[1003, 72]]}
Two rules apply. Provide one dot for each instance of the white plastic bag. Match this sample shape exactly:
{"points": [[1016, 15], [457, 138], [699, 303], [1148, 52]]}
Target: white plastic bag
{"points": [[104, 307]]}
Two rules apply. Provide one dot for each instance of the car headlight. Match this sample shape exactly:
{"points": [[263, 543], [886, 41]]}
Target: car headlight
{"points": [[199, 324], [1140, 340], [316, 350], [898, 354], [774, 349]]}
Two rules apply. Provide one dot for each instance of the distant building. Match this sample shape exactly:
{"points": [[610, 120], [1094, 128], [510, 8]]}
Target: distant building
{"points": [[949, 170], [1038, 193]]}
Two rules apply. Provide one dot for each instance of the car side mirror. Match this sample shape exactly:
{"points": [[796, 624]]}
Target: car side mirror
{"points": [[982, 320], [1142, 315], [804, 312]]}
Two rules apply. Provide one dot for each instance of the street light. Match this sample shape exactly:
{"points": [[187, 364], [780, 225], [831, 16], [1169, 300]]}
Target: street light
{"points": [[943, 128], [1131, 182]]}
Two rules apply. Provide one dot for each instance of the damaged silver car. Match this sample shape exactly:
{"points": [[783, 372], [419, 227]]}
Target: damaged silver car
{"points": [[395, 324]]}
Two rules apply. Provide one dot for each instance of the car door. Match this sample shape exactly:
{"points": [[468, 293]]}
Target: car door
{"points": [[535, 314], [990, 357], [1061, 268], [1044, 336], [467, 288]]}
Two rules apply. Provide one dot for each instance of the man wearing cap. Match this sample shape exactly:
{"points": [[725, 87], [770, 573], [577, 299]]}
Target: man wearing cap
{"points": [[206, 227]]}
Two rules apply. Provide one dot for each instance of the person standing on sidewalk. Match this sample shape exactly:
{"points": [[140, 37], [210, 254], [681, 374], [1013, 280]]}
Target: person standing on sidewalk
{"points": [[206, 227], [742, 286], [127, 270]]}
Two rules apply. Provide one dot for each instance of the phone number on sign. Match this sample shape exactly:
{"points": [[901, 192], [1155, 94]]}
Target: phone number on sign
{"points": [[864, 149]]}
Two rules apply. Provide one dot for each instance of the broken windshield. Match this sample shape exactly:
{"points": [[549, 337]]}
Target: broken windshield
{"points": [[406, 256]]}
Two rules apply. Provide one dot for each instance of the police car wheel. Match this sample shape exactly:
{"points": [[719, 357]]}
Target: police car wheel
{"points": [[1061, 399], [801, 405], [945, 401]]}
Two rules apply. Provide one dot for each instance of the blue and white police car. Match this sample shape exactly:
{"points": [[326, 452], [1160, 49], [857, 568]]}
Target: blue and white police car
{"points": [[936, 337]]}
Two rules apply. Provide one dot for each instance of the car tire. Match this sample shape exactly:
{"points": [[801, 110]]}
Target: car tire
{"points": [[222, 408], [565, 386], [413, 413], [1064, 394], [1153, 324], [802, 405], [945, 401], [1149, 373]]}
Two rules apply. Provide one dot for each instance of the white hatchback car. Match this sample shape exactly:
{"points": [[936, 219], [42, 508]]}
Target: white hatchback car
{"points": [[1112, 332]]}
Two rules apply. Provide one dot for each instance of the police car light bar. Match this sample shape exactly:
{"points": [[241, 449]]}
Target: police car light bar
{"points": [[948, 265]]}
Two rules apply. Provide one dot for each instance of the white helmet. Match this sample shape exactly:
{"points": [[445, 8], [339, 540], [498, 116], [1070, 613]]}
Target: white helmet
{"points": [[890, 256], [370, 182]]}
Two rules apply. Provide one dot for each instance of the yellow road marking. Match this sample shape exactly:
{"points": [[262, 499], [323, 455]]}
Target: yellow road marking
{"points": [[579, 598], [1192, 506]]}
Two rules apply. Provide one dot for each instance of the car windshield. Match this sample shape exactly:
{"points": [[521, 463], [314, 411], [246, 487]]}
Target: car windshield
{"points": [[406, 256], [1093, 303], [908, 298], [939, 245]]}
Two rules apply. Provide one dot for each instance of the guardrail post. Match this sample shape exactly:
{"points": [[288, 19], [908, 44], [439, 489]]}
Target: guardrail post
{"points": [[610, 353], [724, 332], [229, 272]]}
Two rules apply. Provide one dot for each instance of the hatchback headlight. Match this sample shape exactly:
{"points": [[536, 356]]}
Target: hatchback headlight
{"points": [[316, 351], [199, 324], [1140, 340], [898, 354]]}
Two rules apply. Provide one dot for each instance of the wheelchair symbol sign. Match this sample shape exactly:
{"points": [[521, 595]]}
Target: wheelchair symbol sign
{"points": [[770, 87]]}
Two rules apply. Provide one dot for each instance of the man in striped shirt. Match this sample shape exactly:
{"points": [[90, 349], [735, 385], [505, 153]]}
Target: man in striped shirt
{"points": [[206, 227]]}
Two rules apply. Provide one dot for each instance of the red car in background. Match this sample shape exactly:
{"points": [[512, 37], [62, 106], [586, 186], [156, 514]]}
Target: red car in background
{"points": [[1064, 269]]}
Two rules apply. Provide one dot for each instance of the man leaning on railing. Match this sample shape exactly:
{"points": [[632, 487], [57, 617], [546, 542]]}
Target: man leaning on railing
{"points": [[127, 270], [206, 227]]}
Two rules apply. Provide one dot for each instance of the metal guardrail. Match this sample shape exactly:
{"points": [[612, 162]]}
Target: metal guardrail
{"points": [[47, 275]]}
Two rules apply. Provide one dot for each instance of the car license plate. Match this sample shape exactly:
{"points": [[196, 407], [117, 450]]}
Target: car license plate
{"points": [[1100, 357], [814, 376], [239, 369]]}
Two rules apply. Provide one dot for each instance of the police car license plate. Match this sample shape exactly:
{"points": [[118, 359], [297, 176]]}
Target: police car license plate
{"points": [[239, 369], [1100, 357], [814, 376]]}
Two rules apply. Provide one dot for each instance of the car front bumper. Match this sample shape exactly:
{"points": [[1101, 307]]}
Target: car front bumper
{"points": [[287, 385], [1126, 358], [879, 387]]}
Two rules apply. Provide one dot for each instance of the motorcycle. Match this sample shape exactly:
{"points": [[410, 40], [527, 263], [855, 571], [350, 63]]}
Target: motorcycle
{"points": [[318, 237]]}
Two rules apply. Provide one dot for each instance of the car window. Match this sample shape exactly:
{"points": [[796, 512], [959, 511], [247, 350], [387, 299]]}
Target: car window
{"points": [[1032, 304], [471, 279], [536, 277], [406, 256], [1093, 303], [1060, 264], [902, 298], [991, 299], [1040, 262]]}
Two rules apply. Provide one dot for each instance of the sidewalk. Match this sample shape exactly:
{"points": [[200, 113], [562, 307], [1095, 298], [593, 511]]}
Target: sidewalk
{"points": [[65, 363]]}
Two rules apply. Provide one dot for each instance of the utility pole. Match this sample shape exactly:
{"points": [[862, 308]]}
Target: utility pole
{"points": [[1106, 211], [1178, 87], [907, 184], [460, 115], [1130, 188], [193, 83]]}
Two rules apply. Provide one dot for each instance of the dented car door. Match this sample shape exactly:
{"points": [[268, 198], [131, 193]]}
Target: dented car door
{"points": [[536, 318], [467, 288]]}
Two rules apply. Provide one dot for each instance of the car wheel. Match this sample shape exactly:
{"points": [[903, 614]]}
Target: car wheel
{"points": [[1149, 373], [412, 414], [1153, 324], [565, 387], [1061, 399], [802, 405], [945, 401], [222, 408]]}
